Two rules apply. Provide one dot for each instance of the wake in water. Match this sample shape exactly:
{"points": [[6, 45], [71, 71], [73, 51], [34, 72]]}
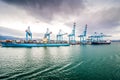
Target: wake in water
{"points": [[73, 67], [31, 74]]}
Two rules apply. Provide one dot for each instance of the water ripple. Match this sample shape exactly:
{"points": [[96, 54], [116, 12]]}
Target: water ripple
{"points": [[73, 67], [43, 71]]}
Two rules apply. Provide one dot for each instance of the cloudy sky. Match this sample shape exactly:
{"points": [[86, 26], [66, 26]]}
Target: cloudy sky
{"points": [[100, 16]]}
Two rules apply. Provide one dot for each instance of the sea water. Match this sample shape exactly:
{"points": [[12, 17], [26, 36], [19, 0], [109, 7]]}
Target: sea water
{"points": [[77, 62]]}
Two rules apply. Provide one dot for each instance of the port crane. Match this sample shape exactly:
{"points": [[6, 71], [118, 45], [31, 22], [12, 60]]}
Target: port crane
{"points": [[47, 35], [72, 35], [96, 37], [83, 36], [60, 36], [28, 34]]}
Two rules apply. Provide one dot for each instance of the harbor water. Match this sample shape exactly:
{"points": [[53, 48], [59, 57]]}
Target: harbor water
{"points": [[77, 62]]}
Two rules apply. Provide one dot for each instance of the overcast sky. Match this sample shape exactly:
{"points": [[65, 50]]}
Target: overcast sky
{"points": [[100, 16]]}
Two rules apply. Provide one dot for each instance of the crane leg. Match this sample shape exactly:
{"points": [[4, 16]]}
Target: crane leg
{"points": [[26, 36]]}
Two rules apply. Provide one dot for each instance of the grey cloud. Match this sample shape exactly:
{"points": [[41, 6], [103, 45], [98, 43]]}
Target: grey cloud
{"points": [[105, 20], [7, 31], [109, 18], [47, 9]]}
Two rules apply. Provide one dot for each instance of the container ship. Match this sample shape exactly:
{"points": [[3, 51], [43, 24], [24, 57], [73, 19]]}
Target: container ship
{"points": [[101, 42], [13, 43], [29, 42], [98, 39]]}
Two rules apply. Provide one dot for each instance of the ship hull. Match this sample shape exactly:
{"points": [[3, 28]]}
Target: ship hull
{"points": [[99, 43], [4, 44]]}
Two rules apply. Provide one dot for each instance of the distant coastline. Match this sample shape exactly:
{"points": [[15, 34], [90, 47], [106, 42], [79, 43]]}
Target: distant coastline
{"points": [[115, 40]]}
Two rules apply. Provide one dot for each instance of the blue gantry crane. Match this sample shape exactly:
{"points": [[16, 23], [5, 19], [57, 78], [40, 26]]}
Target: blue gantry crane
{"points": [[72, 35], [95, 37], [98, 37], [83, 36], [60, 36], [47, 35], [28, 34]]}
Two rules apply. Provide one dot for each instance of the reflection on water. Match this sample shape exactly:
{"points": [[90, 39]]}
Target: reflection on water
{"points": [[86, 62]]}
